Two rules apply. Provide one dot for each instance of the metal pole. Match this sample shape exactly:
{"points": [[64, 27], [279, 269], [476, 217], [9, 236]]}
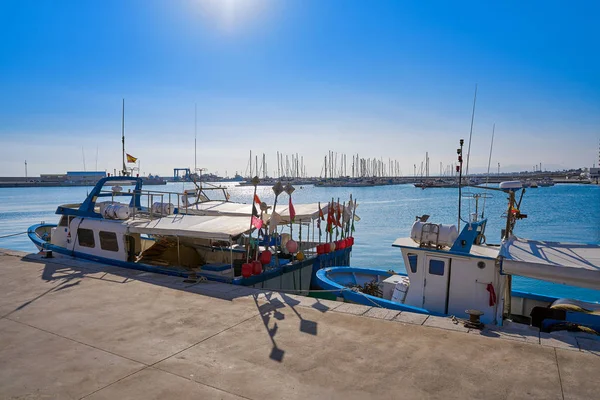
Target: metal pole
{"points": [[460, 161], [123, 137], [255, 182], [471, 132]]}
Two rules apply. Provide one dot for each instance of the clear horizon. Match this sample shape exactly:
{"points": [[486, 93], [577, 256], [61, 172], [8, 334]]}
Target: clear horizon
{"points": [[386, 80]]}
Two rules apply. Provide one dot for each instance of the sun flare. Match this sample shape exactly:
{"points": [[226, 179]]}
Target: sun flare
{"points": [[233, 14]]}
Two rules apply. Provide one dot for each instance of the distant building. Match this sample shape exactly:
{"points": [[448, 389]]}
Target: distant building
{"points": [[594, 173], [55, 178], [84, 176]]}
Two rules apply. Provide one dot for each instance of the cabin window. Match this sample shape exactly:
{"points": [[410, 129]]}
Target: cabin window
{"points": [[85, 237], [65, 220], [412, 262], [108, 241], [436, 267]]}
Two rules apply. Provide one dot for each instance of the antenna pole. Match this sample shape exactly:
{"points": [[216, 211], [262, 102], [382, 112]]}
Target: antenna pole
{"points": [[471, 132], [460, 162], [123, 137], [195, 136], [487, 179]]}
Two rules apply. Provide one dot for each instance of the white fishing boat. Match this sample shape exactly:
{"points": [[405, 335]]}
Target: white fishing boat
{"points": [[459, 274], [189, 235]]}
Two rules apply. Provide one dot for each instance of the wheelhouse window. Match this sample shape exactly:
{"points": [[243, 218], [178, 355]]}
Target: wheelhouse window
{"points": [[412, 262], [108, 241], [65, 220], [436, 267], [85, 237]]}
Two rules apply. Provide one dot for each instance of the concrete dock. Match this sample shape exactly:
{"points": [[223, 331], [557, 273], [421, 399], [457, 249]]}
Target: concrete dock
{"points": [[71, 329]]}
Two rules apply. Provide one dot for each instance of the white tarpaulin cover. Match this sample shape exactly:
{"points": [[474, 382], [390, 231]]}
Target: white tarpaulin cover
{"points": [[194, 226], [566, 263], [304, 212]]}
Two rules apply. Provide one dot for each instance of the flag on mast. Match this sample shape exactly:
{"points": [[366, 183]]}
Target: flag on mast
{"points": [[131, 159], [256, 199], [291, 210], [330, 218], [256, 221]]}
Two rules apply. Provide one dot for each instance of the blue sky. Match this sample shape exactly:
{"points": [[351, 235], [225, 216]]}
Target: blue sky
{"points": [[384, 79]]}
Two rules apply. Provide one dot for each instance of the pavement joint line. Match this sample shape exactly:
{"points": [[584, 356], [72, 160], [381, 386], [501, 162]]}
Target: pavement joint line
{"points": [[77, 341], [117, 381], [201, 383], [562, 392], [205, 339]]}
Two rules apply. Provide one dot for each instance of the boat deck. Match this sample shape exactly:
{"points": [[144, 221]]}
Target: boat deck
{"points": [[78, 329]]}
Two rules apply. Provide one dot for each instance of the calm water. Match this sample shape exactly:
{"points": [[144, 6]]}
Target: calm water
{"points": [[569, 213]]}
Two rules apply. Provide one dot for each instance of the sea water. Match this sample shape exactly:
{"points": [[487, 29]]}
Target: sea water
{"points": [[564, 212]]}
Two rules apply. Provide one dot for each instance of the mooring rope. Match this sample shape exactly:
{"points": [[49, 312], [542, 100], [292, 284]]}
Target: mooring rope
{"points": [[13, 234]]}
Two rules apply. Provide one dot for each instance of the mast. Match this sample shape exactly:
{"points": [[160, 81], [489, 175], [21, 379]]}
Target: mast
{"points": [[195, 136], [459, 168], [123, 136], [487, 179], [471, 132]]}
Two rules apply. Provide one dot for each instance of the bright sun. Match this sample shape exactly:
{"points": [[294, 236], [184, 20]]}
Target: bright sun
{"points": [[232, 14]]}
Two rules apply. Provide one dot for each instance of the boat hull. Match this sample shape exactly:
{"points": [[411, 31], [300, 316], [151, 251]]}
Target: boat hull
{"points": [[293, 276], [337, 279]]}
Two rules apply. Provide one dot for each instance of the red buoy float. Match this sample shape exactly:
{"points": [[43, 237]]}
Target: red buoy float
{"points": [[256, 267], [265, 257], [247, 270]]}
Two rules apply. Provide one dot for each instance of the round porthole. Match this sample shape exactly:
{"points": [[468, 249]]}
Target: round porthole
{"points": [[481, 265]]}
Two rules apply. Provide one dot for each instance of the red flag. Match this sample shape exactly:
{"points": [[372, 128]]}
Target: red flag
{"points": [[330, 218], [339, 215], [257, 222], [321, 217], [292, 211], [256, 199]]}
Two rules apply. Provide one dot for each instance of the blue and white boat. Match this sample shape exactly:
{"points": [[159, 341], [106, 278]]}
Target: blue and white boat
{"points": [[455, 274], [185, 234]]}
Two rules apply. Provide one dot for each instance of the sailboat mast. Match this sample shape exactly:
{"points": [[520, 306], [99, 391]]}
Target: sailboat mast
{"points": [[123, 136]]}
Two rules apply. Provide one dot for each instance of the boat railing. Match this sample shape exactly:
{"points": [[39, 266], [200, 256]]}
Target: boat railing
{"points": [[157, 204]]}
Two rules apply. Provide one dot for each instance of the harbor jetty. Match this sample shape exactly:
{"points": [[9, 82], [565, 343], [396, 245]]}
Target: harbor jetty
{"points": [[78, 329]]}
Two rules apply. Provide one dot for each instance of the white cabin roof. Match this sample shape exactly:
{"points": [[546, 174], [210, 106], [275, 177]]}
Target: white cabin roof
{"points": [[566, 263], [304, 212], [483, 251], [194, 226]]}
